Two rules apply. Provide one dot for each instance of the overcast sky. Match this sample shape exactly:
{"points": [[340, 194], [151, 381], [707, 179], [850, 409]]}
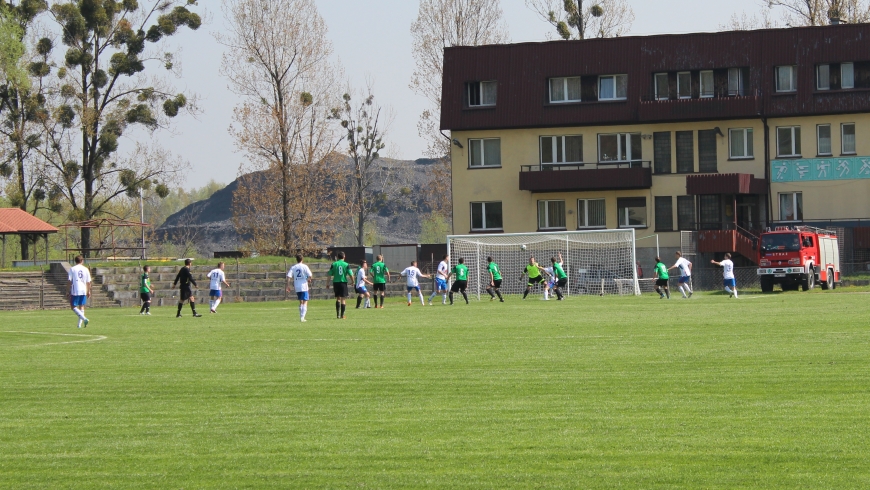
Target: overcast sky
{"points": [[372, 38]]}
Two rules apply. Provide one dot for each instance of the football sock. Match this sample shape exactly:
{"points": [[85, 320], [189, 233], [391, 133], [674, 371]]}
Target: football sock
{"points": [[79, 313], [304, 310], [409, 297], [526, 293], [211, 304], [301, 311], [433, 295], [358, 301], [143, 308], [735, 292], [338, 308], [668, 293], [682, 291], [546, 294], [216, 303], [180, 305], [422, 301], [498, 292], [368, 303], [688, 288], [343, 306], [559, 294], [728, 290], [193, 307], [148, 307], [451, 297], [489, 290], [465, 296]]}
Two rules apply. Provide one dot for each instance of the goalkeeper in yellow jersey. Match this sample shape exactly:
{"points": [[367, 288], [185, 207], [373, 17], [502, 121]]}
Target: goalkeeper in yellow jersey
{"points": [[535, 273]]}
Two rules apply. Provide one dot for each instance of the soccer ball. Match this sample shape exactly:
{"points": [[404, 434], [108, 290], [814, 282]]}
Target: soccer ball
{"points": [[524, 247]]}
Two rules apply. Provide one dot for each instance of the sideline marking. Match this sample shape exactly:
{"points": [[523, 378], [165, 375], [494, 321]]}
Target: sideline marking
{"points": [[96, 339]]}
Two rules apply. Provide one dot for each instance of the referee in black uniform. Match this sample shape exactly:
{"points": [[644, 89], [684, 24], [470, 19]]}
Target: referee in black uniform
{"points": [[186, 279]]}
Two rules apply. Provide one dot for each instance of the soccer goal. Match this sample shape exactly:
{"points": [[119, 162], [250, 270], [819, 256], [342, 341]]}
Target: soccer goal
{"points": [[597, 262]]}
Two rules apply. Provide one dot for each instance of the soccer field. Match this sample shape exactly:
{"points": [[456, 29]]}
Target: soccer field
{"points": [[769, 391]]}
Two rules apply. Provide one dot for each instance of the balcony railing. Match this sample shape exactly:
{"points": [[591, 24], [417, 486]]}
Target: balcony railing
{"points": [[718, 106], [586, 176]]}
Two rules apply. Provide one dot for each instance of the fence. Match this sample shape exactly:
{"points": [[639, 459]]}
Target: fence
{"points": [[708, 279]]}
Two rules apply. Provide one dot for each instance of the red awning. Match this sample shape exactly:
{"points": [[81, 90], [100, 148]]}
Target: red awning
{"points": [[725, 184], [14, 221]]}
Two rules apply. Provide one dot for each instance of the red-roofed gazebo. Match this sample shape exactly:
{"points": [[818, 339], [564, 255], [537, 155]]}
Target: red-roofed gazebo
{"points": [[14, 221]]}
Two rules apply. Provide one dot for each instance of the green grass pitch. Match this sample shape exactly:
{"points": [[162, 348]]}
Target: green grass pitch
{"points": [[769, 391]]}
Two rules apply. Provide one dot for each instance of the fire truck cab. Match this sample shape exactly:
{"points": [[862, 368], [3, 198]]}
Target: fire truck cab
{"points": [[798, 256]]}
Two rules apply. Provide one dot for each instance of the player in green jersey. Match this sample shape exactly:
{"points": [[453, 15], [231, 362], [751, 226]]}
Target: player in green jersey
{"points": [[379, 283], [460, 271], [560, 276], [533, 270], [340, 271], [495, 280], [661, 272], [145, 291]]}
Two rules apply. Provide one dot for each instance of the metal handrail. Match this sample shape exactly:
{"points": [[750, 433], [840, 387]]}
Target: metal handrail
{"points": [[726, 94], [546, 167]]}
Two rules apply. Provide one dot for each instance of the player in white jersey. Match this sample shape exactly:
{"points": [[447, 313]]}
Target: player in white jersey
{"points": [[301, 276], [728, 275], [685, 268], [549, 282], [79, 289], [441, 280], [360, 286], [413, 274], [216, 279]]}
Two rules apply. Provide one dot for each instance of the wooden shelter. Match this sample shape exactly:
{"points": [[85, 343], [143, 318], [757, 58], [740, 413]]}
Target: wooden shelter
{"points": [[14, 221], [104, 238]]}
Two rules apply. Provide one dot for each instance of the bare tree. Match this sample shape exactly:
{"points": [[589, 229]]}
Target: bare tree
{"points": [[277, 60], [746, 22], [584, 19], [820, 12], [365, 124], [441, 24]]}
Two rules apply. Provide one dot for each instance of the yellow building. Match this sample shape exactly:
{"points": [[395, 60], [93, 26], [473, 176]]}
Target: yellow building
{"points": [[721, 134]]}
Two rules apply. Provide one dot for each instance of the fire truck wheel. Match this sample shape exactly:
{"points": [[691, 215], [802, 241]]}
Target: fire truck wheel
{"points": [[829, 283], [766, 284], [809, 282]]}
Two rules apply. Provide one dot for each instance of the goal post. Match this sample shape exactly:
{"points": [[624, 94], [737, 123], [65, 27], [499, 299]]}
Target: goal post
{"points": [[597, 262]]}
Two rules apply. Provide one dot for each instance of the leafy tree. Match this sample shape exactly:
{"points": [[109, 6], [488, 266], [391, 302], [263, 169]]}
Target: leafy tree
{"points": [[105, 90], [277, 61], [22, 108], [583, 19], [435, 229]]}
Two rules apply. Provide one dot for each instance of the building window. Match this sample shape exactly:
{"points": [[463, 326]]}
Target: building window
{"points": [[710, 212], [707, 154], [707, 89], [484, 153], [823, 136], [662, 152], [612, 87], [786, 78], [791, 206], [684, 85], [735, 81], [823, 77], [565, 89], [662, 89], [551, 215], [686, 212], [486, 216], [481, 93], [632, 212], [848, 138], [740, 143], [561, 149], [685, 152], [620, 147], [664, 213], [847, 75], [590, 213], [788, 141]]}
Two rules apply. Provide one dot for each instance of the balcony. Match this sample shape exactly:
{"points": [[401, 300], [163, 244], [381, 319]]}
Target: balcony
{"points": [[604, 176], [718, 107]]}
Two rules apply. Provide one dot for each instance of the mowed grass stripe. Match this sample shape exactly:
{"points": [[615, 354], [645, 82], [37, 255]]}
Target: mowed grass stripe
{"points": [[590, 393]]}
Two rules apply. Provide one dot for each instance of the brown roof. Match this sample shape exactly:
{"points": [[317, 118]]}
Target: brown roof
{"points": [[16, 221]]}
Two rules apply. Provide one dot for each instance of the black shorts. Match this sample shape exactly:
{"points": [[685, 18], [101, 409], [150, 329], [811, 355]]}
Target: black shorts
{"points": [[661, 282], [145, 297], [379, 286], [459, 286], [186, 293], [340, 289], [536, 280], [561, 283], [496, 283]]}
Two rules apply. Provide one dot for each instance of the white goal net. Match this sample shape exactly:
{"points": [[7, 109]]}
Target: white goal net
{"points": [[597, 262]]}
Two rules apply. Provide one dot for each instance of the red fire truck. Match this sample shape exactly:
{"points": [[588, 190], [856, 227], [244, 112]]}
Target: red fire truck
{"points": [[798, 256]]}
